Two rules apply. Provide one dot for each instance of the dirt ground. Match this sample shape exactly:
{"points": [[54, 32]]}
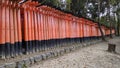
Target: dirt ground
{"points": [[94, 56]]}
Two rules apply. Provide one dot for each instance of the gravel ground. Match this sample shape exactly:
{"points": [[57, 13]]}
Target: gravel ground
{"points": [[94, 56]]}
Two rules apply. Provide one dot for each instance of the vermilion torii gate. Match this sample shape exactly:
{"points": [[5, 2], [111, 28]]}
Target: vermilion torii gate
{"points": [[26, 29]]}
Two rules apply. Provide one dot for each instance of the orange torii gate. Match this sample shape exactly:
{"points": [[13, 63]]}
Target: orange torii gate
{"points": [[27, 29], [11, 36]]}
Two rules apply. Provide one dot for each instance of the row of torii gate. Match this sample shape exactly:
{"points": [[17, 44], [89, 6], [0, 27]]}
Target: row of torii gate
{"points": [[25, 28]]}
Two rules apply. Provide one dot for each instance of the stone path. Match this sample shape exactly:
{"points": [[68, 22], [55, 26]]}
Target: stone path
{"points": [[94, 56]]}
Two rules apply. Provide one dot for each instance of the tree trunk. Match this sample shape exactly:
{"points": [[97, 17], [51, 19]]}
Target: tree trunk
{"points": [[111, 30], [109, 19], [102, 34], [118, 27], [118, 24], [99, 26]]}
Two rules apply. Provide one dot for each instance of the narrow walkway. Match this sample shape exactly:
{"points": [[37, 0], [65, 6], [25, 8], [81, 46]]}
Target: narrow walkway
{"points": [[94, 56]]}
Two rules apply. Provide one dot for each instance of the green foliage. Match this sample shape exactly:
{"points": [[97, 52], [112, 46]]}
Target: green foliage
{"points": [[68, 5], [55, 3], [104, 21], [78, 7]]}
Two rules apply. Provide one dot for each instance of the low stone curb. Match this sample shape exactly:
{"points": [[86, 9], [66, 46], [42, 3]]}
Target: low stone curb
{"points": [[36, 59]]}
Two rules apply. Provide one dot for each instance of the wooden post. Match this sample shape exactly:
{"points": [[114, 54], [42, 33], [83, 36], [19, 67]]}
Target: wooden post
{"points": [[111, 47]]}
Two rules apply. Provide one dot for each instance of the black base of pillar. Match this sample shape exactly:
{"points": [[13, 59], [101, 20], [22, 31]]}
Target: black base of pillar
{"points": [[33, 46], [20, 48], [2, 51], [16, 49], [12, 49], [30, 47], [36, 45], [7, 50], [42, 45], [39, 46], [25, 47]]}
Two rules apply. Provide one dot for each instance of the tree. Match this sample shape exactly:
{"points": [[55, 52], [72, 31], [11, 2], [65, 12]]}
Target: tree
{"points": [[78, 7], [117, 12], [115, 3]]}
